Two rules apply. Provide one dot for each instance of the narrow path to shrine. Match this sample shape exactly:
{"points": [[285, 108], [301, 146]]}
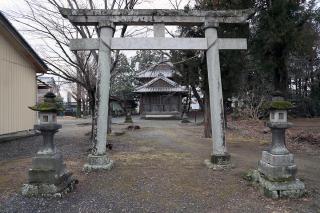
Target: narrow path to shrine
{"points": [[158, 168]]}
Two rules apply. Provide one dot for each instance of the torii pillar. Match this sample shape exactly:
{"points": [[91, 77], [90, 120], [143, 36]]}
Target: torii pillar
{"points": [[99, 159], [220, 158]]}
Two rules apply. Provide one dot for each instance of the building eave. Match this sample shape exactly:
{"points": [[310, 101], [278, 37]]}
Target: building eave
{"points": [[161, 90], [31, 54], [175, 87]]}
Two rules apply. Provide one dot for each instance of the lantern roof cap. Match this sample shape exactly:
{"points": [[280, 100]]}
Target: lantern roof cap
{"points": [[280, 105], [49, 104], [49, 95]]}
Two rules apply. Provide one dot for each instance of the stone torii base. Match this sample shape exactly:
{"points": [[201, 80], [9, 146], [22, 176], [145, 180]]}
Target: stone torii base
{"points": [[98, 162]]}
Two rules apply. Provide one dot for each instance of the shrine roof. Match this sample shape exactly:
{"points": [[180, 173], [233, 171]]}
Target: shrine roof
{"points": [[164, 68], [171, 86]]}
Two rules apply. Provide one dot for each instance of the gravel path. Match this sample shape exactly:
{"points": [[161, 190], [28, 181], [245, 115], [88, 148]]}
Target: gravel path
{"points": [[158, 169]]}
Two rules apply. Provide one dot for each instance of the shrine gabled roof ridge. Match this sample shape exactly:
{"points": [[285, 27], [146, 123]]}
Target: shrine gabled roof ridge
{"points": [[175, 86], [172, 83], [153, 66]]}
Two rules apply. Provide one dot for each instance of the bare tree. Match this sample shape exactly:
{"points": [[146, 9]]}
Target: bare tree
{"points": [[252, 105], [45, 24]]}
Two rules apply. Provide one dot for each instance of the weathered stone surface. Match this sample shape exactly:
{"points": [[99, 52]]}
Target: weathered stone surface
{"points": [[48, 162], [221, 159], [216, 97], [49, 190], [277, 173], [277, 160], [98, 162], [159, 44], [104, 65], [149, 17], [287, 189], [48, 176], [278, 145], [212, 166]]}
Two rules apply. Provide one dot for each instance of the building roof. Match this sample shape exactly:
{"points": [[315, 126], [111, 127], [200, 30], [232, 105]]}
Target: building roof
{"points": [[45, 82], [171, 86], [47, 79], [165, 68], [30, 54]]}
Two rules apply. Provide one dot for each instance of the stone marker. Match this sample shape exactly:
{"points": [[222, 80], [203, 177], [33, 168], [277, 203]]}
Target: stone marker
{"points": [[48, 175], [276, 174]]}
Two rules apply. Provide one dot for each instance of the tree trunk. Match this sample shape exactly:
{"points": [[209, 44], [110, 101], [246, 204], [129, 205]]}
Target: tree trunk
{"points": [[196, 94], [225, 116], [281, 74], [78, 101], [207, 117], [84, 107], [109, 119], [92, 105], [127, 108]]}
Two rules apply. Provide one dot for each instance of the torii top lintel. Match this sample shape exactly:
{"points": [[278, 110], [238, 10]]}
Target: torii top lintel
{"points": [[150, 17]]}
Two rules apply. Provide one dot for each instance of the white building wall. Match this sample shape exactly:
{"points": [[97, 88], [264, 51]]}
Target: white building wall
{"points": [[17, 88]]}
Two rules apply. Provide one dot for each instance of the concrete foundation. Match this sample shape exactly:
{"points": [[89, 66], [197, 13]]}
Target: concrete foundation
{"points": [[97, 163]]}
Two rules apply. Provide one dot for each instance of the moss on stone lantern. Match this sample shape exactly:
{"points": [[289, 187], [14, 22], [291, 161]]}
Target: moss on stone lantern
{"points": [[276, 174], [49, 104], [48, 175], [48, 109]]}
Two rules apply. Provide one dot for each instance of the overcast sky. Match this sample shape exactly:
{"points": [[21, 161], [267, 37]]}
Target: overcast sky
{"points": [[19, 5], [147, 4]]}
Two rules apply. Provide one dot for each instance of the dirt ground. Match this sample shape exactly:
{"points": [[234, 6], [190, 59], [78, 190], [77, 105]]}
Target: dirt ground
{"points": [[160, 168]]}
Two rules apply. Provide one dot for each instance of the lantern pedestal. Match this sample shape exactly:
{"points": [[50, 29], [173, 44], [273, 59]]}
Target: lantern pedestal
{"points": [[48, 175], [276, 174], [278, 189]]}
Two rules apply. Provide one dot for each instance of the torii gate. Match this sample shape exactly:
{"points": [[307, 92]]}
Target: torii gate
{"points": [[106, 20]]}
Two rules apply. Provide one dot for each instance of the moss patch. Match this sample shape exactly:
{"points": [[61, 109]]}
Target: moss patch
{"points": [[47, 107], [280, 105]]}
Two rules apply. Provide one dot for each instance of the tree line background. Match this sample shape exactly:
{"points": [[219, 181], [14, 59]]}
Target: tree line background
{"points": [[283, 54]]}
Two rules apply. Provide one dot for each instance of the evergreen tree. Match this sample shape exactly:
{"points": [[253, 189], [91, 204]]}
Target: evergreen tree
{"points": [[277, 29]]}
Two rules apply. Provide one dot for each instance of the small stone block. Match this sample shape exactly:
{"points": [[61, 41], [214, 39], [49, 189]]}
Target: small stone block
{"points": [[221, 159], [43, 176], [48, 162], [212, 166], [277, 160], [49, 190], [277, 173], [98, 162], [276, 190]]}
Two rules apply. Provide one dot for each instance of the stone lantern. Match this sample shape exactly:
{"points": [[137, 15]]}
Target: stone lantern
{"points": [[276, 174], [48, 174]]}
